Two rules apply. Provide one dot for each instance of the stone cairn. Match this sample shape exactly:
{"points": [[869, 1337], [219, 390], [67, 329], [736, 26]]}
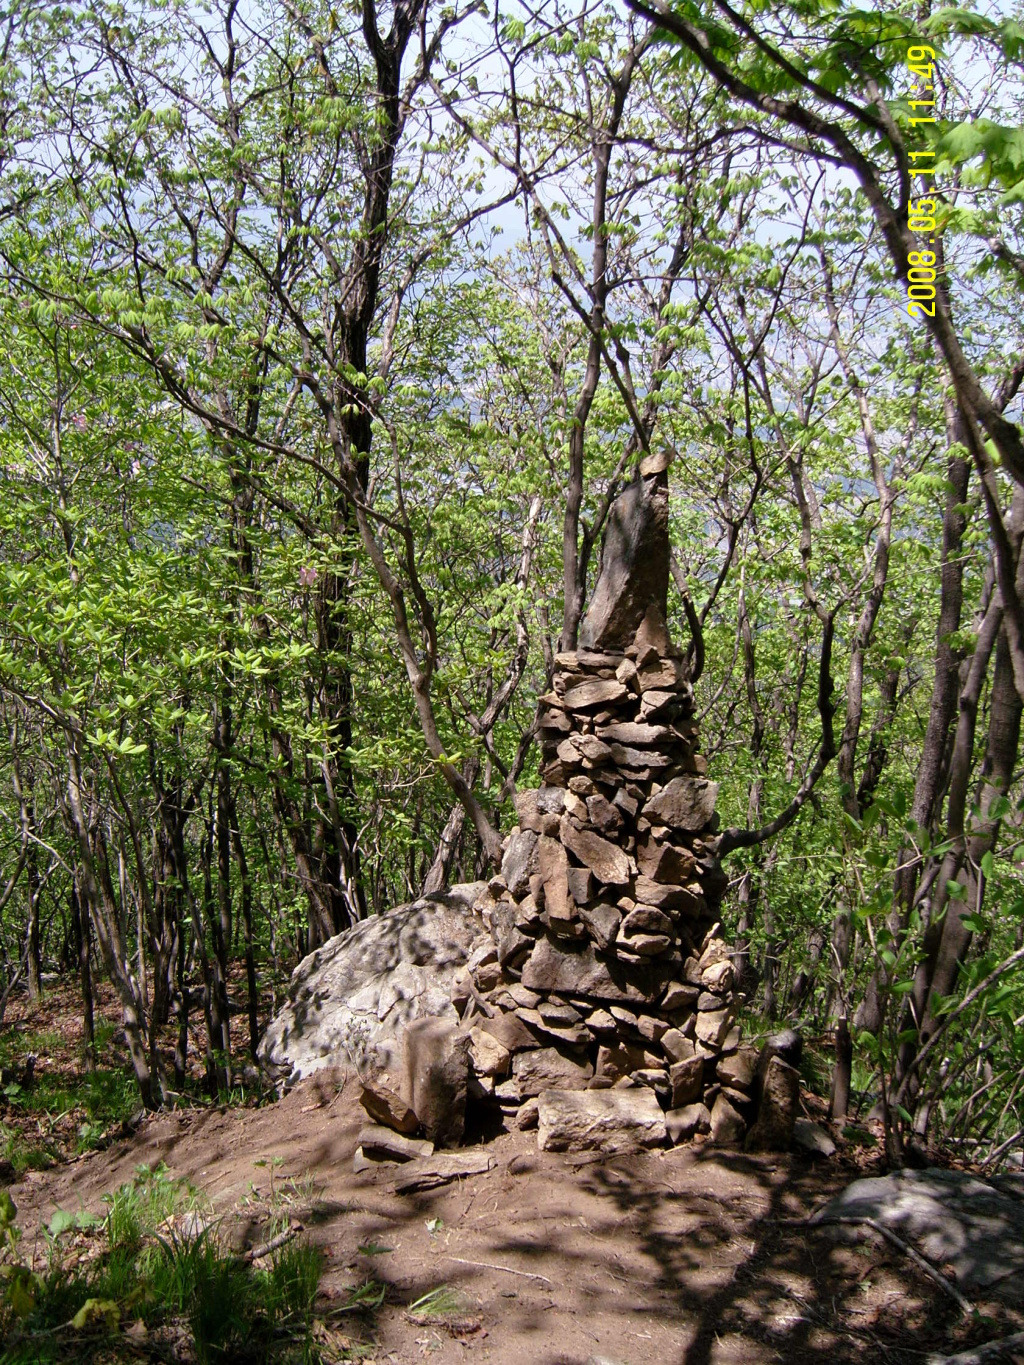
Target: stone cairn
{"points": [[605, 970]]}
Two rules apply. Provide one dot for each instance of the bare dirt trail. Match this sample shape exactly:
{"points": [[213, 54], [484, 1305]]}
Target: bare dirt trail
{"points": [[686, 1257]]}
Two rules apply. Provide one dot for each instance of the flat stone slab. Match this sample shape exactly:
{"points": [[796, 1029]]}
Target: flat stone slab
{"points": [[428, 1172], [580, 971], [951, 1217], [599, 1120], [382, 1142]]}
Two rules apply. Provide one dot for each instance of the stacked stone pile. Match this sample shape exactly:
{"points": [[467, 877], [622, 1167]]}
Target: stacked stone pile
{"points": [[605, 968]]}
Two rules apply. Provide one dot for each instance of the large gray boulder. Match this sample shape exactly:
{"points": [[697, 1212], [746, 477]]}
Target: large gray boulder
{"points": [[349, 1002], [952, 1217]]}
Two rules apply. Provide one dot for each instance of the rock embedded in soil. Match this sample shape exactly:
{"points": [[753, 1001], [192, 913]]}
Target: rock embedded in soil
{"points": [[375, 1140], [427, 1173], [727, 1126], [812, 1138], [602, 1120], [776, 1108], [435, 1073]]}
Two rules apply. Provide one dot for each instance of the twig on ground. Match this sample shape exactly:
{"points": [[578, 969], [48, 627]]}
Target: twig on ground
{"points": [[490, 1265], [951, 1291], [978, 1355], [258, 1252]]}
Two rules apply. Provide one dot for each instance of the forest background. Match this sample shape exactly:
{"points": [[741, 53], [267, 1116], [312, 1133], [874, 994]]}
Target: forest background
{"points": [[329, 336]]}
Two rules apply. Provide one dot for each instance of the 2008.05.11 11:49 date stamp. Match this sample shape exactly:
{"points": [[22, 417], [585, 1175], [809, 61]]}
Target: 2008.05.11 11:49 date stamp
{"points": [[921, 212]]}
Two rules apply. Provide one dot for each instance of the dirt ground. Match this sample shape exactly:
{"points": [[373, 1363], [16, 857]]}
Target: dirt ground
{"points": [[692, 1256]]}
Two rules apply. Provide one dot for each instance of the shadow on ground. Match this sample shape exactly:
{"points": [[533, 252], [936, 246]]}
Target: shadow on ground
{"points": [[687, 1257]]}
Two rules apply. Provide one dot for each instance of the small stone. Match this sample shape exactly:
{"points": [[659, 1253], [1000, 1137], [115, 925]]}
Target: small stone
{"points": [[713, 950], [787, 1044], [642, 760], [624, 1017], [582, 785], [647, 945], [553, 968], [661, 675], [603, 814], [483, 956], [776, 1108], [645, 919], [622, 1060], [606, 860], [713, 1025], [626, 673], [675, 1045], [602, 923], [739, 1099], [547, 1067], [601, 1120], [688, 899], [707, 1001], [550, 800], [727, 1126], [529, 815], [600, 1022], [487, 1056], [522, 995], [650, 1027], [362, 1162], [629, 805], [683, 1124], [386, 1107], [553, 867], [581, 884], [487, 976], [519, 862], [435, 1071], [657, 704], [462, 988], [654, 1077], [721, 977], [595, 693], [679, 997], [731, 1041], [528, 1115], [686, 803], [574, 1035], [633, 732], [687, 1079], [664, 862], [738, 1070], [557, 1012], [426, 1173]]}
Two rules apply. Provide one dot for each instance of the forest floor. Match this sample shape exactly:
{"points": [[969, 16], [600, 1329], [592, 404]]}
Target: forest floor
{"points": [[692, 1256]]}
